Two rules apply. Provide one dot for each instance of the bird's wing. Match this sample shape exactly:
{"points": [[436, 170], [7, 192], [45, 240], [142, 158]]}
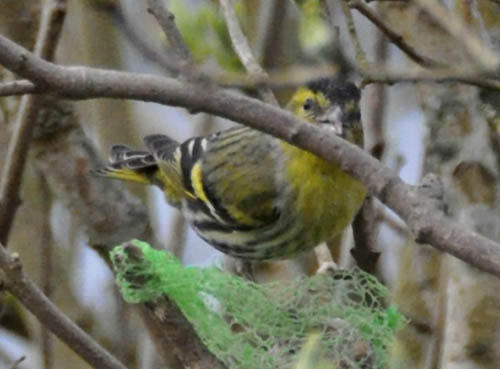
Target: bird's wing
{"points": [[166, 154], [233, 171]]}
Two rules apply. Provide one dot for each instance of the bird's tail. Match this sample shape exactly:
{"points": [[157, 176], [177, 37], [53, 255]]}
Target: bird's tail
{"points": [[128, 164], [158, 165]]}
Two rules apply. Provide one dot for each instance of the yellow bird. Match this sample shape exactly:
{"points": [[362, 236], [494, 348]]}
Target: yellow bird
{"points": [[249, 194]]}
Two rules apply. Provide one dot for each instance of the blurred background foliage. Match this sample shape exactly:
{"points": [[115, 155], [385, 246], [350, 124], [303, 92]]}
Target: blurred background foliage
{"points": [[451, 129]]}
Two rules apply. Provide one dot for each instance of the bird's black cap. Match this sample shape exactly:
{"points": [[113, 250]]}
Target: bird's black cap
{"points": [[336, 90]]}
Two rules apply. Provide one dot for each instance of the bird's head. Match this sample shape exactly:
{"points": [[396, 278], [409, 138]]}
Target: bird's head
{"points": [[331, 103]]}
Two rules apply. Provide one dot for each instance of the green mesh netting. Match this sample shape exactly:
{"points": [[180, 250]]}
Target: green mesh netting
{"points": [[311, 322]]}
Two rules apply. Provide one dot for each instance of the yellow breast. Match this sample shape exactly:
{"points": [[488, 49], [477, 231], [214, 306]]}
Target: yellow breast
{"points": [[324, 196]]}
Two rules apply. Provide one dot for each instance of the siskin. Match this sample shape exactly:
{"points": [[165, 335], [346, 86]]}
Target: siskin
{"points": [[249, 194]]}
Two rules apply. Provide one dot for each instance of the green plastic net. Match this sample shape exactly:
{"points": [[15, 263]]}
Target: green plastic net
{"points": [[323, 321]]}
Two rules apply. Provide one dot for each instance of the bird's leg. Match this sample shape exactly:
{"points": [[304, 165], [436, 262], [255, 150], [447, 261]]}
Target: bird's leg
{"points": [[247, 270], [326, 264]]}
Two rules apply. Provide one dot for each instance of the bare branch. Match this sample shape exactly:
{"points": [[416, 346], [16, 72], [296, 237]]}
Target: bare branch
{"points": [[299, 75], [20, 87], [166, 20], [242, 48], [379, 102], [170, 329], [17, 362], [365, 232], [365, 225], [140, 42], [426, 224], [23, 288], [392, 35], [434, 77], [52, 20], [46, 266], [272, 15], [351, 27], [474, 46]]}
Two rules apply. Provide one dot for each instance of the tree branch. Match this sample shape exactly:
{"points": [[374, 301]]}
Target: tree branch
{"points": [[302, 76], [392, 35], [51, 23], [19, 87], [138, 40], [242, 48], [360, 54], [46, 266], [166, 20], [269, 43], [365, 226], [426, 224], [170, 329], [474, 46], [23, 288], [434, 77], [15, 364]]}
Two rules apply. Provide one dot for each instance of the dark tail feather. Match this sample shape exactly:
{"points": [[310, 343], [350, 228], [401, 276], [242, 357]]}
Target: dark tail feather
{"points": [[128, 164], [161, 146], [122, 153]]}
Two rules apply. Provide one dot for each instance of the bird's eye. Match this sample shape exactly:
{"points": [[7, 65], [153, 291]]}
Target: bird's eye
{"points": [[308, 104]]}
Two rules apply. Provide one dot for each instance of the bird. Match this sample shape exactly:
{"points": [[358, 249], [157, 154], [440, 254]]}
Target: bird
{"points": [[249, 194]]}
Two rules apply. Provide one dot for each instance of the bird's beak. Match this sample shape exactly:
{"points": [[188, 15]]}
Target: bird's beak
{"points": [[333, 118]]}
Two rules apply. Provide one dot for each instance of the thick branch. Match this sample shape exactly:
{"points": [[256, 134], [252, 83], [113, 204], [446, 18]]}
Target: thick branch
{"points": [[170, 329], [50, 28], [39, 305], [21, 87], [426, 224]]}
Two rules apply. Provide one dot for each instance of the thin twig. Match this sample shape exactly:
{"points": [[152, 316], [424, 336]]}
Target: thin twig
{"points": [[365, 250], [379, 102], [177, 238], [272, 19], [474, 46], [392, 35], [20, 87], [426, 224], [17, 362], [365, 226], [51, 23], [242, 48], [166, 20], [46, 265], [360, 56], [137, 40], [423, 76], [393, 223], [23, 288]]}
